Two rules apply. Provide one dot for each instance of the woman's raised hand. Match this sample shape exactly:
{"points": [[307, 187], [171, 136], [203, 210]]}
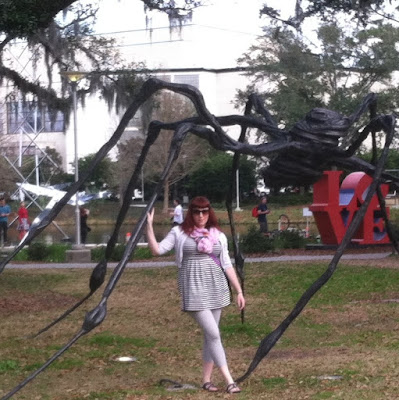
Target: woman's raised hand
{"points": [[150, 216]]}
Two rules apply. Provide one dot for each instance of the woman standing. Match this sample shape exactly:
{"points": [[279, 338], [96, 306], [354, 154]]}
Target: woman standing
{"points": [[204, 263], [23, 221], [84, 228]]}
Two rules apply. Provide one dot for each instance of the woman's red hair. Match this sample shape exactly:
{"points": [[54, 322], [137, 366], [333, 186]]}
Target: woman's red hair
{"points": [[188, 224]]}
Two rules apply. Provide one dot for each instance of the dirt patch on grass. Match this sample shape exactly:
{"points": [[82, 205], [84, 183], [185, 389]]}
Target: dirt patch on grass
{"points": [[23, 302]]}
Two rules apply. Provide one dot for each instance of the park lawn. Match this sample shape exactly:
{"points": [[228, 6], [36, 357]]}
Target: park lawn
{"points": [[349, 329]]}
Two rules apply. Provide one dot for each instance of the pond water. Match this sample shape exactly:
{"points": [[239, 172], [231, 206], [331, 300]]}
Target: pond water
{"points": [[100, 234]]}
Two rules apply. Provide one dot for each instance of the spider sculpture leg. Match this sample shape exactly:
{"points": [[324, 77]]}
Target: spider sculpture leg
{"points": [[96, 316], [270, 340]]}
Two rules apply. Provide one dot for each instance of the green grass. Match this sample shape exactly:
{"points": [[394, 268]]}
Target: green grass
{"points": [[108, 339], [67, 364], [8, 365], [346, 329], [346, 284], [29, 282], [235, 332], [106, 396], [274, 382]]}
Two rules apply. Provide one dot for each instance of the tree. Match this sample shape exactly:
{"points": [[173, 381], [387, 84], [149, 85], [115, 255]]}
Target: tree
{"points": [[49, 163], [60, 43], [359, 10], [102, 176], [168, 107], [337, 74], [7, 178], [346, 65], [58, 36], [212, 177], [392, 160], [66, 42]]}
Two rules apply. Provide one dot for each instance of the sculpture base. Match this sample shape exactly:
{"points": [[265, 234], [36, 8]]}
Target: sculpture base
{"points": [[78, 255]]}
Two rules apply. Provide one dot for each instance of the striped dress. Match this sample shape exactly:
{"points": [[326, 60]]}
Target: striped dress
{"points": [[202, 283]]}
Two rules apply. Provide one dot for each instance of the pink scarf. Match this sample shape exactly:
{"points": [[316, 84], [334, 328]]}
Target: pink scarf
{"points": [[205, 239]]}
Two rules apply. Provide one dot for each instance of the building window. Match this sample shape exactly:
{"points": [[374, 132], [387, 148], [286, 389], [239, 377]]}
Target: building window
{"points": [[188, 79], [29, 117], [192, 80], [166, 78], [135, 123]]}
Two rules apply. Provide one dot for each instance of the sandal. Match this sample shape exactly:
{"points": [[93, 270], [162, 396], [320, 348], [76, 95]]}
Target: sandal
{"points": [[232, 388], [210, 387]]}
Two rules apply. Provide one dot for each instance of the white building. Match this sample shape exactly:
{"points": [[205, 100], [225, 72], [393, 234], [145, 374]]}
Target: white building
{"points": [[203, 54]]}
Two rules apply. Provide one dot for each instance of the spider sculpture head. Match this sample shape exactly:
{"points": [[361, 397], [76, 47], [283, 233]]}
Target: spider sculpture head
{"points": [[315, 144], [321, 126]]}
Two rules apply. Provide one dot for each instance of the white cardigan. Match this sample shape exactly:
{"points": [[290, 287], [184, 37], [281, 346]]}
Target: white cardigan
{"points": [[176, 238]]}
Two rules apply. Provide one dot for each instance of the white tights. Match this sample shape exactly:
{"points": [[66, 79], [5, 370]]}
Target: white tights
{"points": [[213, 350]]}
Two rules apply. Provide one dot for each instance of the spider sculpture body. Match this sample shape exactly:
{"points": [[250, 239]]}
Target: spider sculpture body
{"points": [[318, 142], [298, 156]]}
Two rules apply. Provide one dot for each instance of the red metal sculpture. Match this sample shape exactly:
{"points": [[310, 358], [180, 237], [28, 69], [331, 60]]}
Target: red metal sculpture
{"points": [[334, 208]]}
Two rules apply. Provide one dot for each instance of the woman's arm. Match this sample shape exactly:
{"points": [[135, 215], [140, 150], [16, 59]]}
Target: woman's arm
{"points": [[152, 241], [167, 244]]}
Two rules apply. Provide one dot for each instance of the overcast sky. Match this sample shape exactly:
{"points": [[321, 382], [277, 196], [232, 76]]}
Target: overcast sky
{"points": [[116, 15], [220, 32]]}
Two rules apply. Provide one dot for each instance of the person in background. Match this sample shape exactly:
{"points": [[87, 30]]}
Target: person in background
{"points": [[23, 220], [5, 211], [262, 212], [84, 228], [177, 213], [204, 270]]}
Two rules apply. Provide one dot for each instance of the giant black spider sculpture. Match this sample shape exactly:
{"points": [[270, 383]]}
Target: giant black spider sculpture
{"points": [[298, 156]]}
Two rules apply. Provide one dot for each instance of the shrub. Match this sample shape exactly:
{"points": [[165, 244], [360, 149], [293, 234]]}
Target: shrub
{"points": [[57, 252], [22, 255], [38, 251], [289, 199], [395, 231], [255, 242], [98, 253], [142, 253], [289, 240], [117, 253]]}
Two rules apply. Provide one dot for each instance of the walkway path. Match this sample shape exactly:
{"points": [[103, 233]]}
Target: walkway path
{"points": [[157, 264]]}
